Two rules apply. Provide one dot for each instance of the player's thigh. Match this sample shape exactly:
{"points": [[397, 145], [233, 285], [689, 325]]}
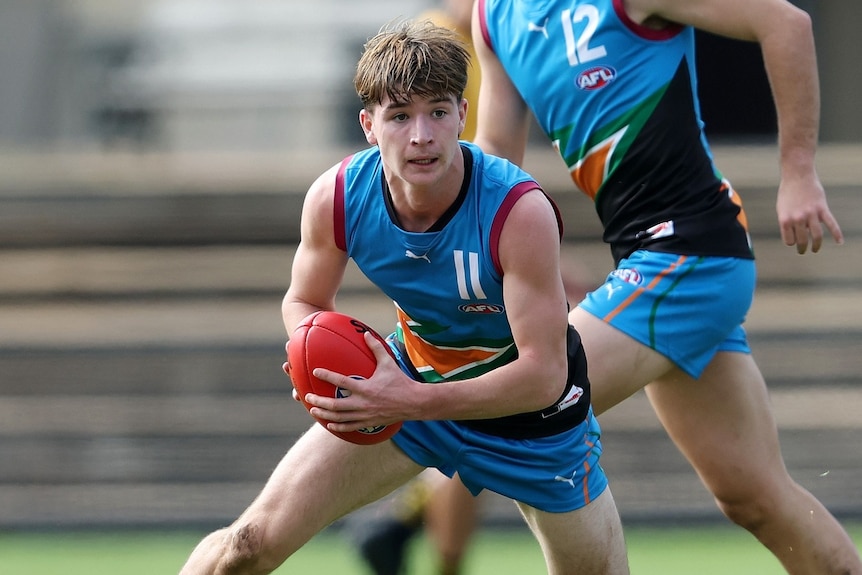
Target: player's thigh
{"points": [[586, 541], [617, 364], [321, 479], [723, 424]]}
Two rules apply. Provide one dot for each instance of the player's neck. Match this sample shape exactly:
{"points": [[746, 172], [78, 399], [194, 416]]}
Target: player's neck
{"points": [[421, 208]]}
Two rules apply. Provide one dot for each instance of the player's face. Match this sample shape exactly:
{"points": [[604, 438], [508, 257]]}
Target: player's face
{"points": [[418, 140]]}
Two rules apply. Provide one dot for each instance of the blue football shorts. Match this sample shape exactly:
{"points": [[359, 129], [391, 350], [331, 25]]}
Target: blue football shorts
{"points": [[687, 308], [557, 474]]}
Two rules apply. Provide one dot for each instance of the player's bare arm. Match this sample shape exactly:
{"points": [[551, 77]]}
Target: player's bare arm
{"points": [[503, 118], [318, 265], [536, 307], [786, 40]]}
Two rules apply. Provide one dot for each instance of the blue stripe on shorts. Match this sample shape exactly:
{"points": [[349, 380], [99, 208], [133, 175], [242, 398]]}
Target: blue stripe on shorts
{"points": [[685, 307], [556, 474]]}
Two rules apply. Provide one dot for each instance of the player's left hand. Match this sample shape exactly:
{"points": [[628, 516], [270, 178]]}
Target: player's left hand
{"points": [[802, 213]]}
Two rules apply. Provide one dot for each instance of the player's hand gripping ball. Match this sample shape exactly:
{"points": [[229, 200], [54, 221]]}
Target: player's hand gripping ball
{"points": [[334, 341]]}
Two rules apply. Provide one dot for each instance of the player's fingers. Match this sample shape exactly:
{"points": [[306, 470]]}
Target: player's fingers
{"points": [[816, 236], [376, 347], [322, 403], [344, 417], [832, 225], [349, 426], [788, 235], [812, 234], [326, 414], [335, 378], [800, 237]]}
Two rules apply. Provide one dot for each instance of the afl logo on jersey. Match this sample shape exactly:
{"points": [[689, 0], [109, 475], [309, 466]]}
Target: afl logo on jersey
{"points": [[481, 308], [595, 78]]}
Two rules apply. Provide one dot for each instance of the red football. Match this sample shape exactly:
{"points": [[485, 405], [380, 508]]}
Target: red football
{"points": [[334, 341]]}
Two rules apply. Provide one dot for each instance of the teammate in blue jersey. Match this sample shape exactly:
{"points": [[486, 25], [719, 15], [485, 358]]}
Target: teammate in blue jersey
{"points": [[612, 83], [491, 380]]}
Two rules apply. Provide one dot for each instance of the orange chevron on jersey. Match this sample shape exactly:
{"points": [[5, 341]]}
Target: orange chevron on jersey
{"points": [[736, 199], [435, 362], [590, 172]]}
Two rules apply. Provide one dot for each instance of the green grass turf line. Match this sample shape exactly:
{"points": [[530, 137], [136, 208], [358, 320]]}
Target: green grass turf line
{"points": [[652, 551]]}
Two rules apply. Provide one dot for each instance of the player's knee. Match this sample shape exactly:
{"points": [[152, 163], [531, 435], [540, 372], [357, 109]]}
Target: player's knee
{"points": [[243, 554], [750, 512], [750, 501]]}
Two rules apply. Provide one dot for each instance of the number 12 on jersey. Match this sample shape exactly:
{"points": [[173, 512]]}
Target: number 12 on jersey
{"points": [[578, 49]]}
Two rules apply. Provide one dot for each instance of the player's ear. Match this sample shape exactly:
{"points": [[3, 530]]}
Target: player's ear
{"points": [[463, 108], [366, 121]]}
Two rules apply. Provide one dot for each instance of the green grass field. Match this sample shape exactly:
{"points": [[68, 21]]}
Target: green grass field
{"points": [[665, 551]]}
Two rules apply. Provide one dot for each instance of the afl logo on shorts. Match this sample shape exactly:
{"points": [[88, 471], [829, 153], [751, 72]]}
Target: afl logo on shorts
{"points": [[595, 78], [628, 275]]}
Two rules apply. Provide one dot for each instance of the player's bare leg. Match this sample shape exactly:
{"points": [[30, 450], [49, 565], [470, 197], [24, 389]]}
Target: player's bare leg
{"points": [[451, 517], [618, 365], [588, 541], [724, 425], [715, 421], [319, 480]]}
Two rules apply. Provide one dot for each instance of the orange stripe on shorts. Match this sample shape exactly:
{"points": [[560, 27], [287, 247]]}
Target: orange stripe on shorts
{"points": [[628, 301], [586, 483]]}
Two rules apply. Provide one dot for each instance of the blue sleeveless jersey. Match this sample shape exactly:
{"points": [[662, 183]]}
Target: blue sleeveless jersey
{"points": [[446, 284], [619, 102]]}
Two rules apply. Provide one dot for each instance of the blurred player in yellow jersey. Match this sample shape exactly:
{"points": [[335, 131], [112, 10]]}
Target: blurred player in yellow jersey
{"points": [[456, 15]]}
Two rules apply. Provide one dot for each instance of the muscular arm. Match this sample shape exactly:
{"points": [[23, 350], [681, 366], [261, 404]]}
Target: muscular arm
{"points": [[536, 309], [787, 42], [318, 266]]}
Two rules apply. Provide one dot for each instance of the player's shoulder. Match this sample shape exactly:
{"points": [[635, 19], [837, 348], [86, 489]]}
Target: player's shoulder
{"points": [[323, 187], [335, 178]]}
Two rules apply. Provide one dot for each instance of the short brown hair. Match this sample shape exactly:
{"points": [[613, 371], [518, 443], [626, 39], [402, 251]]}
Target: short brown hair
{"points": [[410, 58]]}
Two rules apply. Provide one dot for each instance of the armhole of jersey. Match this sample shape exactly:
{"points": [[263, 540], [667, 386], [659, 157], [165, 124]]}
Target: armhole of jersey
{"points": [[339, 221], [483, 23], [642, 31], [503, 212]]}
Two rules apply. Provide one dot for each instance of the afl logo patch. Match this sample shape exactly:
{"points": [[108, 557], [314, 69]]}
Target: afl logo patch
{"points": [[481, 308], [628, 275], [595, 78]]}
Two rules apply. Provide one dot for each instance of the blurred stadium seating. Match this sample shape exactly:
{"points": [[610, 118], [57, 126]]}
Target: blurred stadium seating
{"points": [[140, 337]]}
